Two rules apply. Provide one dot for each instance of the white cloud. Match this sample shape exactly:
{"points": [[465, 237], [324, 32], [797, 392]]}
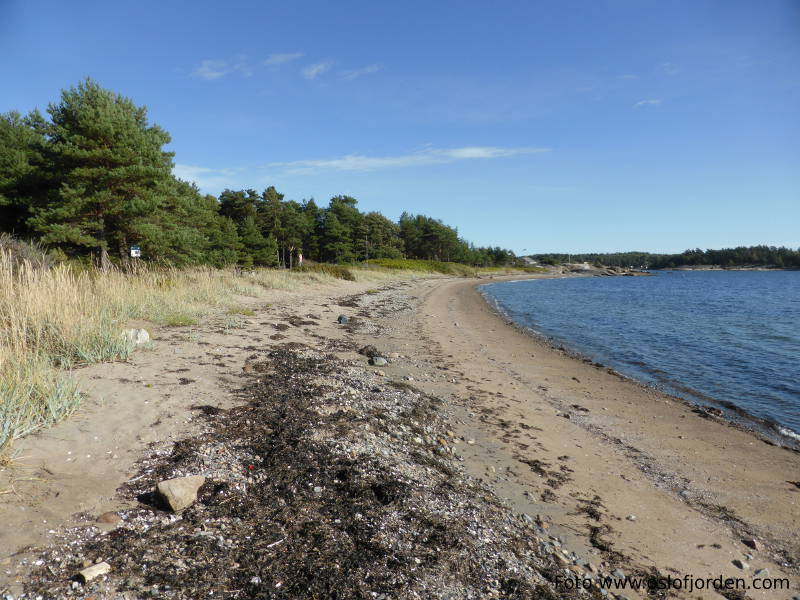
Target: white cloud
{"points": [[206, 178], [430, 156], [670, 68], [273, 60], [211, 69], [217, 69], [317, 69], [648, 102], [355, 73]]}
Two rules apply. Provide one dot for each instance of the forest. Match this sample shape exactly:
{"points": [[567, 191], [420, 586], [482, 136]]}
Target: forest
{"points": [[741, 256], [90, 179]]}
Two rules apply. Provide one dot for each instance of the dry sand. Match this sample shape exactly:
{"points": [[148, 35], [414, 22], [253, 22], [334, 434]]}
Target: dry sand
{"points": [[621, 474]]}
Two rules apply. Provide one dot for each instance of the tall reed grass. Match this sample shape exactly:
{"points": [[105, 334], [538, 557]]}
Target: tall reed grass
{"points": [[54, 319]]}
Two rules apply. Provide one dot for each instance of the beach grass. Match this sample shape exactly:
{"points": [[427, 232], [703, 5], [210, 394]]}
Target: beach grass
{"points": [[54, 319]]}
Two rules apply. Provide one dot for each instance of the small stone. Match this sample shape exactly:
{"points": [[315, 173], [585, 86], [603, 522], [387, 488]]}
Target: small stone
{"points": [[631, 517], [317, 489], [380, 373], [754, 544], [342, 319], [255, 580], [591, 567], [471, 442], [109, 517], [90, 573], [136, 336], [740, 564], [618, 573], [180, 492], [378, 361], [761, 573]]}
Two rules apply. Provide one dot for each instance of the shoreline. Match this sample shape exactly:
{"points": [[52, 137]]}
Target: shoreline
{"points": [[696, 478], [766, 430], [589, 464]]}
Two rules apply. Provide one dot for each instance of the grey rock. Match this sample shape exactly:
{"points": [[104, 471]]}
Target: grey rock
{"points": [[740, 564], [136, 336], [618, 573], [342, 319], [761, 573], [180, 492], [378, 361]]}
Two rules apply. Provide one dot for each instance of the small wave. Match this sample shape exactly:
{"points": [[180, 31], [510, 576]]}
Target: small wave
{"points": [[789, 433]]}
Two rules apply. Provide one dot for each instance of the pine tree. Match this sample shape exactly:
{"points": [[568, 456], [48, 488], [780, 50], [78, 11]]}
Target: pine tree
{"points": [[111, 172]]}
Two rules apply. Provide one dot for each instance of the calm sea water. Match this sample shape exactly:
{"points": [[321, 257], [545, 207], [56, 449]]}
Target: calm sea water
{"points": [[713, 337]]}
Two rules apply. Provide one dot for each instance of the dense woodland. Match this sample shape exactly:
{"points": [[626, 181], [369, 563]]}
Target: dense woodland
{"points": [[91, 179], [750, 256]]}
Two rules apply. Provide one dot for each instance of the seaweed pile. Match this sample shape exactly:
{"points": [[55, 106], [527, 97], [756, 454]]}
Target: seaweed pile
{"points": [[326, 482]]}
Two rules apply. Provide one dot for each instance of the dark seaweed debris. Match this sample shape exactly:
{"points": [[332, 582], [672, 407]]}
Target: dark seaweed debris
{"points": [[322, 485]]}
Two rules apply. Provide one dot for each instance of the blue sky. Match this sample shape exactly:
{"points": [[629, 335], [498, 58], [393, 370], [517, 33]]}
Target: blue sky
{"points": [[599, 125]]}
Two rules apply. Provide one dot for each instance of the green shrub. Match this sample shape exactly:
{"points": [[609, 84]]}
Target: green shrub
{"points": [[336, 271], [425, 266]]}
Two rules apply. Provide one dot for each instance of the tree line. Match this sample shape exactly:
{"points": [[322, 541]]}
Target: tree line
{"points": [[91, 179], [741, 256]]}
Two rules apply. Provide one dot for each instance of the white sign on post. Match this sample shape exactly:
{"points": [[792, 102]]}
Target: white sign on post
{"points": [[136, 252]]}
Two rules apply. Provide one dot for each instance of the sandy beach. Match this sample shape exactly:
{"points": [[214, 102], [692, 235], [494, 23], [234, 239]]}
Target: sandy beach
{"points": [[596, 472]]}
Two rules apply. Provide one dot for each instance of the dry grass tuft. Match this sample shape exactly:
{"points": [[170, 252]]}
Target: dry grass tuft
{"points": [[55, 318]]}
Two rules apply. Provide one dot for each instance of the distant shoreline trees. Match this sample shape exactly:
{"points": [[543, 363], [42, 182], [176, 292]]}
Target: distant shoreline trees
{"points": [[93, 179], [742, 256]]}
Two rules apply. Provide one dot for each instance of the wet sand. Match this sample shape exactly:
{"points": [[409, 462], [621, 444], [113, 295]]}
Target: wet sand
{"points": [[622, 476], [696, 485]]}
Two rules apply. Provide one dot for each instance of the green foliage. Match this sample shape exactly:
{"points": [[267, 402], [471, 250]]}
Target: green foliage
{"points": [[337, 271], [95, 179], [425, 266]]}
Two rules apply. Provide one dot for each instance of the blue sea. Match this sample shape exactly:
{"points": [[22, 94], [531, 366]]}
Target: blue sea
{"points": [[728, 339]]}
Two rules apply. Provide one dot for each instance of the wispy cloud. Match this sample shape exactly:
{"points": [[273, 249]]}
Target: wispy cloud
{"points": [[429, 156], [274, 60], [211, 69], [648, 102], [355, 73], [670, 68], [206, 178], [317, 69]]}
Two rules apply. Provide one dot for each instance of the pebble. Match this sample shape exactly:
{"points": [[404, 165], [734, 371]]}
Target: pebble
{"points": [[317, 489], [740, 564], [618, 573], [90, 573], [761, 573], [753, 543], [109, 517], [631, 517], [378, 361], [342, 319]]}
